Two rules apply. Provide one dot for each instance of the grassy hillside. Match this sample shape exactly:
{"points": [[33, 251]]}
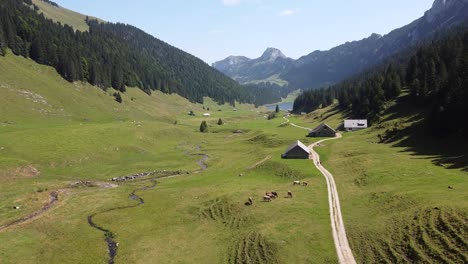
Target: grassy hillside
{"points": [[62, 15], [54, 133], [396, 200]]}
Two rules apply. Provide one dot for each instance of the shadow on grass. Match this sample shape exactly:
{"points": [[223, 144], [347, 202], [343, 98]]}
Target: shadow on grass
{"points": [[450, 152], [406, 127], [335, 110], [404, 108]]}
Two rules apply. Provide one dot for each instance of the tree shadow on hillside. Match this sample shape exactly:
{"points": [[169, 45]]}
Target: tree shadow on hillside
{"points": [[450, 152], [403, 108], [334, 111]]}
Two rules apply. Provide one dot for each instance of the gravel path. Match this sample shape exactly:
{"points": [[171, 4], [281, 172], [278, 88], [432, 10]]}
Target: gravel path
{"points": [[294, 125], [345, 255]]}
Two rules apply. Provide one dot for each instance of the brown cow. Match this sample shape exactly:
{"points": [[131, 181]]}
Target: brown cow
{"points": [[305, 183], [290, 194]]}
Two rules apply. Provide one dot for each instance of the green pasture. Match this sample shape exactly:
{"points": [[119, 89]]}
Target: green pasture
{"points": [[53, 133], [395, 200]]}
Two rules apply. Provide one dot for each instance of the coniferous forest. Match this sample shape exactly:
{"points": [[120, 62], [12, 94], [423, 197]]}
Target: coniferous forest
{"points": [[112, 55], [435, 75]]}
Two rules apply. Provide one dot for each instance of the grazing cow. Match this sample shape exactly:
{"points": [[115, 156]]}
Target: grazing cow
{"points": [[250, 200], [305, 183], [275, 194], [267, 198], [296, 183], [290, 194]]}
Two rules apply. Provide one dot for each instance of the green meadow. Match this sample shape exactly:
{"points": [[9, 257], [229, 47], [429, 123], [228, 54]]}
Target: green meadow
{"points": [[396, 203], [54, 133]]}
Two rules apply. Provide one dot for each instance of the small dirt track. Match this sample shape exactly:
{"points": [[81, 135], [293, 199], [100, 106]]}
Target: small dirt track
{"points": [[345, 255], [52, 200]]}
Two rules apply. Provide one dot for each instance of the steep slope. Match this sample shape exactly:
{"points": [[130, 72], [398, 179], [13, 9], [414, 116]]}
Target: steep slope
{"points": [[435, 77], [322, 68], [61, 14], [264, 68], [112, 55], [33, 93]]}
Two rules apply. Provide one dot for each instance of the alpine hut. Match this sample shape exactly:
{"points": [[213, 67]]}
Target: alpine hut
{"points": [[296, 151], [323, 130], [352, 125]]}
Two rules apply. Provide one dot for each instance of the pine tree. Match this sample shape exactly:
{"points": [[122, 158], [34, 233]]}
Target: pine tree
{"points": [[37, 51], [93, 75], [3, 44], [85, 69], [203, 127], [118, 97]]}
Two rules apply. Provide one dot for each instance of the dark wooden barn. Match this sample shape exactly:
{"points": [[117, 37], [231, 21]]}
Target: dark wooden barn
{"points": [[323, 130], [296, 151]]}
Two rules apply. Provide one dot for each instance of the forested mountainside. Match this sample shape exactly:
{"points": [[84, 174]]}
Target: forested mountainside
{"points": [[112, 55], [324, 68], [435, 75]]}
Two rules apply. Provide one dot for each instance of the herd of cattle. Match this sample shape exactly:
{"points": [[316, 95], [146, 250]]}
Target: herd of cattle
{"points": [[270, 196], [147, 174]]}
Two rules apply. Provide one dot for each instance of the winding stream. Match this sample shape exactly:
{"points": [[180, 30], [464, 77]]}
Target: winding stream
{"points": [[109, 237], [112, 244]]}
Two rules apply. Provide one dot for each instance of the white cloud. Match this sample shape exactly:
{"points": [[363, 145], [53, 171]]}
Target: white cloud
{"points": [[231, 2], [288, 12]]}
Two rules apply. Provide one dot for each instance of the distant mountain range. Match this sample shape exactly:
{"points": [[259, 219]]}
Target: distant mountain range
{"points": [[245, 70], [323, 68]]}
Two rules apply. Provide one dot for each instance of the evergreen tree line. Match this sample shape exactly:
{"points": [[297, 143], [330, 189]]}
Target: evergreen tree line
{"points": [[436, 75], [267, 93], [51, 3], [112, 55]]}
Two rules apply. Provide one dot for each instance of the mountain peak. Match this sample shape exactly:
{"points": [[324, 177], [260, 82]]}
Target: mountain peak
{"points": [[375, 36], [441, 6], [272, 54]]}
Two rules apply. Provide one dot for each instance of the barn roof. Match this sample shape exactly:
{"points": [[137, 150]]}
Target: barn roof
{"points": [[320, 127], [296, 144], [355, 123]]}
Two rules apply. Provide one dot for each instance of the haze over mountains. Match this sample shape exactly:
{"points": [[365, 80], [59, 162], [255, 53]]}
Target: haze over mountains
{"points": [[245, 70], [323, 68]]}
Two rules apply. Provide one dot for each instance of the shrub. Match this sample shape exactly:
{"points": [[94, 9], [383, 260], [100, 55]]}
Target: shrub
{"points": [[203, 127]]}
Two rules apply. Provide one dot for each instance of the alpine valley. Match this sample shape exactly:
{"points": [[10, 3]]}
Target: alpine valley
{"points": [[118, 147]]}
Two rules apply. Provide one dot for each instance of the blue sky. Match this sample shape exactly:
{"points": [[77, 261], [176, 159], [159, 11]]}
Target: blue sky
{"points": [[215, 29]]}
